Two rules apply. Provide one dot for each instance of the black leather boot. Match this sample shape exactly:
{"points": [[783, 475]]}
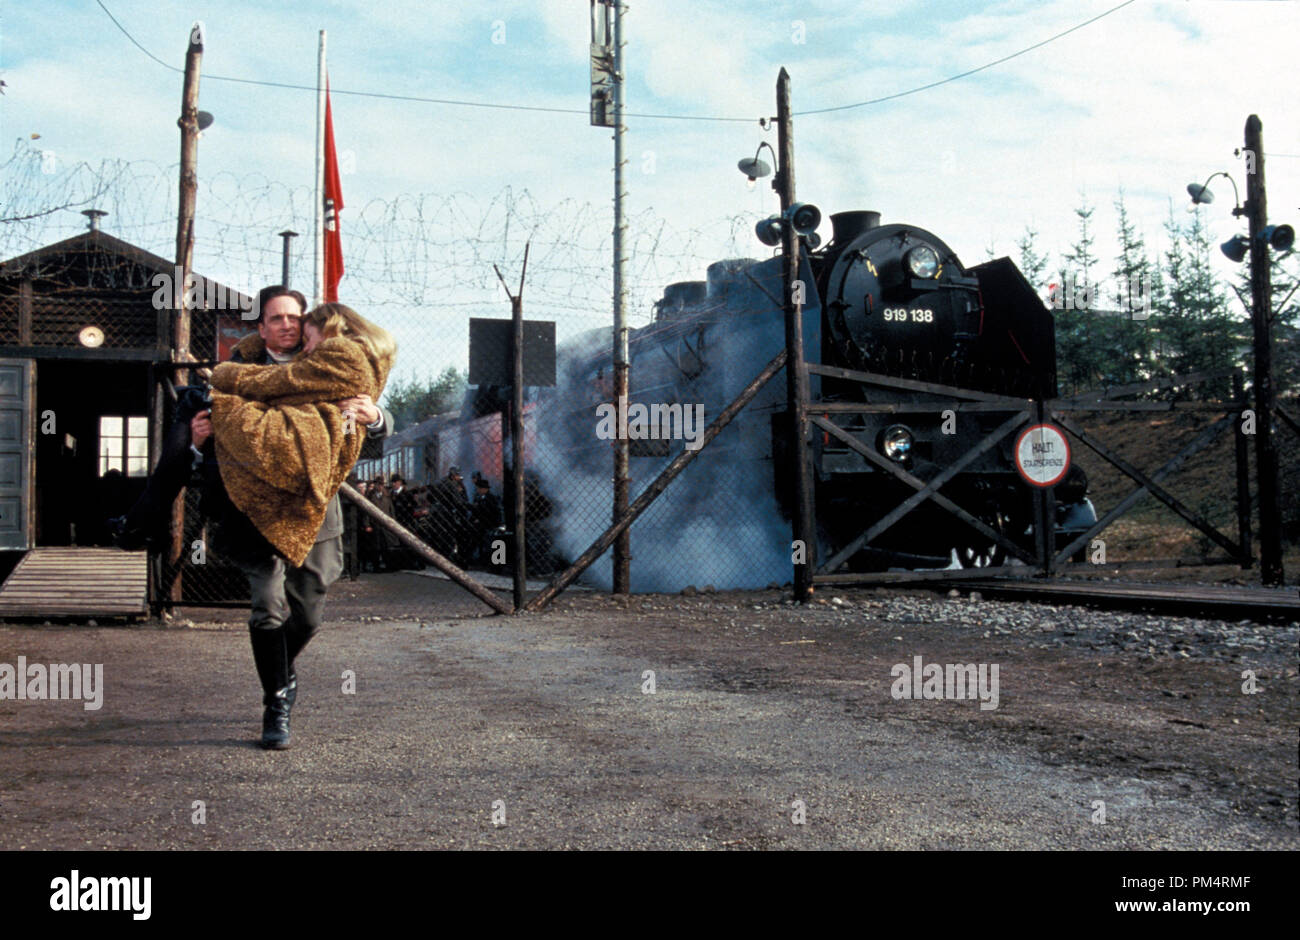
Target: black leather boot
{"points": [[296, 638], [269, 654]]}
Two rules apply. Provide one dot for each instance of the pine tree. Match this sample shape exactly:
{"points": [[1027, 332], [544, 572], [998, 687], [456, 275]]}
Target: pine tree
{"points": [[1080, 258], [1080, 359], [1173, 323], [1032, 265], [411, 401], [1284, 271], [1129, 332], [1210, 336]]}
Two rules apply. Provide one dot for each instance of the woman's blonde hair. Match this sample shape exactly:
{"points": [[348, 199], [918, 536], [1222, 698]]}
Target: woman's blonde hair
{"points": [[335, 319]]}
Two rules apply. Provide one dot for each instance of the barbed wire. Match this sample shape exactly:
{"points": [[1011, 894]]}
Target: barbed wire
{"points": [[420, 263]]}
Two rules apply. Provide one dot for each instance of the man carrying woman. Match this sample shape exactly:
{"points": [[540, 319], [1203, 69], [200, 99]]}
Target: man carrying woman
{"points": [[283, 437], [289, 427]]}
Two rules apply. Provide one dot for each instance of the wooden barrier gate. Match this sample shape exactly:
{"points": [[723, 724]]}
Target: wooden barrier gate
{"points": [[1045, 557]]}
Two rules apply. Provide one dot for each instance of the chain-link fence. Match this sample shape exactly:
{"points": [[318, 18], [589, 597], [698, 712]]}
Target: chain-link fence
{"points": [[1205, 483], [421, 266], [719, 524]]}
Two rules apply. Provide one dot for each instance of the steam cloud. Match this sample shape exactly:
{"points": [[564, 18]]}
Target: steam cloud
{"points": [[718, 523]]}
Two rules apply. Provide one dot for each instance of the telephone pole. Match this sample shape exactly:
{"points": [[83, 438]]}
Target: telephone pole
{"points": [[607, 111], [287, 235], [189, 125], [796, 370], [1261, 315], [623, 544]]}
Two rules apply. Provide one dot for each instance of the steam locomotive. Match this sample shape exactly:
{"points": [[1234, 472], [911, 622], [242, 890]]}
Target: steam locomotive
{"points": [[888, 299], [896, 300], [891, 299]]}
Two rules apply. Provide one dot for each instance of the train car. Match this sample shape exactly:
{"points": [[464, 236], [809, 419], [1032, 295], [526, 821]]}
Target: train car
{"points": [[410, 452], [425, 452]]}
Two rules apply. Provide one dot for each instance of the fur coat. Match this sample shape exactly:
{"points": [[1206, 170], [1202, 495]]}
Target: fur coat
{"points": [[283, 447]]}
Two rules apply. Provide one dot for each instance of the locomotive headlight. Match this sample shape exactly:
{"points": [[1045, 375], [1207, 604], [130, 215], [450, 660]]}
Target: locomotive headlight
{"points": [[896, 442], [923, 261]]}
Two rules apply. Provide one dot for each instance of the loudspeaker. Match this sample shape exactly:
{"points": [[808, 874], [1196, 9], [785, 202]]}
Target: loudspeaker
{"points": [[805, 217], [1235, 248]]}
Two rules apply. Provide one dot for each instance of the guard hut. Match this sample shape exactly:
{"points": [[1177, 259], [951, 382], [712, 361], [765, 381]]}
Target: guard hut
{"points": [[82, 324]]}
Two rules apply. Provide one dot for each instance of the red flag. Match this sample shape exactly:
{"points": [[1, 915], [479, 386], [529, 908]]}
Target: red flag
{"points": [[333, 204]]}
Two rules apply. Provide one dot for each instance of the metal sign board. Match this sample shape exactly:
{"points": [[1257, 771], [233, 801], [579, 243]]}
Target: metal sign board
{"points": [[1042, 455], [489, 352]]}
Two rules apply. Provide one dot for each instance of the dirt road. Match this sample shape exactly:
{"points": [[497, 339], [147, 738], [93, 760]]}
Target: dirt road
{"points": [[761, 715]]}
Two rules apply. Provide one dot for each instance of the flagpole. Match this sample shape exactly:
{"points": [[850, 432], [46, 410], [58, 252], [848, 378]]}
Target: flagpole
{"points": [[318, 241]]}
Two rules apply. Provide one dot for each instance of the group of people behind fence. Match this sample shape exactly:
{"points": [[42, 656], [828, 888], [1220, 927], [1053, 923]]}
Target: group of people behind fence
{"points": [[471, 532]]}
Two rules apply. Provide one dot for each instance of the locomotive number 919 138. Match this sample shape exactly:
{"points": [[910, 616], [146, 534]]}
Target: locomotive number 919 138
{"points": [[903, 315]]}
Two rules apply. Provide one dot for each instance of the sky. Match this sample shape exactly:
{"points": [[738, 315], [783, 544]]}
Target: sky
{"points": [[1145, 100]]}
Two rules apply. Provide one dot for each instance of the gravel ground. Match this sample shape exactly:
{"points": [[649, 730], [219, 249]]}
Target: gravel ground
{"points": [[761, 710]]}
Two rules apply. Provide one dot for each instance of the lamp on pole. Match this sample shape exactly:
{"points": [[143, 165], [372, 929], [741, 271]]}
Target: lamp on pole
{"points": [[1261, 237], [794, 225], [1201, 195]]}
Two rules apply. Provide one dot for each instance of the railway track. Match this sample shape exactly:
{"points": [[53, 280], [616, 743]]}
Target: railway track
{"points": [[1220, 602]]}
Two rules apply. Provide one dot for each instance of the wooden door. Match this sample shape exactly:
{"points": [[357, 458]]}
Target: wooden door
{"points": [[16, 448]]}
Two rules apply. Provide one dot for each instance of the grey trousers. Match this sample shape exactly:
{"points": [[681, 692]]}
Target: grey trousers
{"points": [[289, 596]]}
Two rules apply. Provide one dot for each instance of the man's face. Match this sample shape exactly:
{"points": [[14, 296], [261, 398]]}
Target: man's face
{"points": [[281, 326]]}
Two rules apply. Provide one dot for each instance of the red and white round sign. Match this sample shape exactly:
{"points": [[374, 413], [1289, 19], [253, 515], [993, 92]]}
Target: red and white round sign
{"points": [[1042, 455]]}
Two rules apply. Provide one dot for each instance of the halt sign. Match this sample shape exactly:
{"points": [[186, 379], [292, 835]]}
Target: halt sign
{"points": [[1042, 455]]}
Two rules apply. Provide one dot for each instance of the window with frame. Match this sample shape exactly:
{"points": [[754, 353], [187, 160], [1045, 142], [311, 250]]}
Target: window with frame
{"points": [[124, 445]]}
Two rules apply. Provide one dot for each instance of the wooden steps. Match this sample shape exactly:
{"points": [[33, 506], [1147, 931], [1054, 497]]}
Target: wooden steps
{"points": [[77, 582]]}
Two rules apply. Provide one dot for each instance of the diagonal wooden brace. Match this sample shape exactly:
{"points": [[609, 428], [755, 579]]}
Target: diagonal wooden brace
{"points": [[925, 491], [424, 551], [1150, 484]]}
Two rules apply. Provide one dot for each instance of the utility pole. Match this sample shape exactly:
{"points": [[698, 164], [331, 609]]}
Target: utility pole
{"points": [[189, 125], [518, 503], [1261, 314], [623, 544], [607, 111], [796, 371]]}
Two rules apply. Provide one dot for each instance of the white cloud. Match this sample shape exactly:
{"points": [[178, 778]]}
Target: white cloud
{"points": [[1146, 99]]}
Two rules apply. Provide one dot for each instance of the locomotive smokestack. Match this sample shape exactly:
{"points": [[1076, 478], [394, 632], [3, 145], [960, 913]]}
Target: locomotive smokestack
{"points": [[846, 226], [678, 297]]}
